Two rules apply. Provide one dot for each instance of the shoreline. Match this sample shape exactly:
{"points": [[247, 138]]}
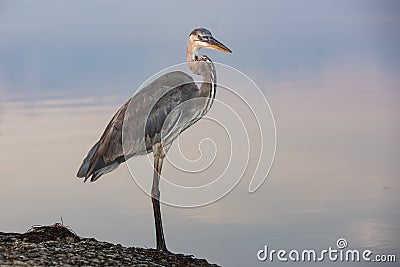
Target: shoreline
{"points": [[57, 245]]}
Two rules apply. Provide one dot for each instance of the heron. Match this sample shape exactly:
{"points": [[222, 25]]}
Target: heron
{"points": [[158, 106]]}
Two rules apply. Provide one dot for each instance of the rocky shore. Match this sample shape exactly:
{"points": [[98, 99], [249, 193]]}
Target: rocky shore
{"points": [[57, 245]]}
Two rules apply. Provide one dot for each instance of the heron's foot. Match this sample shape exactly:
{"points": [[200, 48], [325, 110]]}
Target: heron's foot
{"points": [[164, 250]]}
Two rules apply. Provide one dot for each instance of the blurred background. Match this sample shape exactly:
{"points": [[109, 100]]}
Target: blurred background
{"points": [[330, 70]]}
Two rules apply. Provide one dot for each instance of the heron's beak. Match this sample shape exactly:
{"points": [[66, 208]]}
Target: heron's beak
{"points": [[215, 44]]}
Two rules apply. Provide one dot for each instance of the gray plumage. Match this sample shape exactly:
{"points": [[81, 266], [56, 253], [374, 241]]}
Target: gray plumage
{"points": [[155, 101], [155, 116]]}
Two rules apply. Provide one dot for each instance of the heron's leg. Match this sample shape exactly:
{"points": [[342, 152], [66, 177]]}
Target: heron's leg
{"points": [[159, 154]]}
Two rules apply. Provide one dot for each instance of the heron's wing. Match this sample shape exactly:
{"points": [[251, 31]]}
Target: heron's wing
{"points": [[175, 109], [150, 107], [143, 116]]}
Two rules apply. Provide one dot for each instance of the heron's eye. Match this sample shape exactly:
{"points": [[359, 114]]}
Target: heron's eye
{"points": [[199, 37]]}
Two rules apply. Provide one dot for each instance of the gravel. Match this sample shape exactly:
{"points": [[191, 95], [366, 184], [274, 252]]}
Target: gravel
{"points": [[57, 245]]}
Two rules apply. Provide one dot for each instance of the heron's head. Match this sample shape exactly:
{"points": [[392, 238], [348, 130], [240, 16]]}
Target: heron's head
{"points": [[202, 38]]}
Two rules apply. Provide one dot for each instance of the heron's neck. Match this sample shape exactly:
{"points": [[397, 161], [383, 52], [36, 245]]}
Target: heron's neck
{"points": [[202, 66]]}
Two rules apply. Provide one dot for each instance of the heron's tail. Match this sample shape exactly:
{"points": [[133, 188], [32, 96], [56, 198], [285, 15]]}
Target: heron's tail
{"points": [[83, 170], [94, 169]]}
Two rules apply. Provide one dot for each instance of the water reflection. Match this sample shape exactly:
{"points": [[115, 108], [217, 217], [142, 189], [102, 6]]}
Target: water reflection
{"points": [[335, 175]]}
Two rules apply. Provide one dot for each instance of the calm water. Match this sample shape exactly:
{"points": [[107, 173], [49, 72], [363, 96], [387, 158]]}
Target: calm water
{"points": [[329, 72]]}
